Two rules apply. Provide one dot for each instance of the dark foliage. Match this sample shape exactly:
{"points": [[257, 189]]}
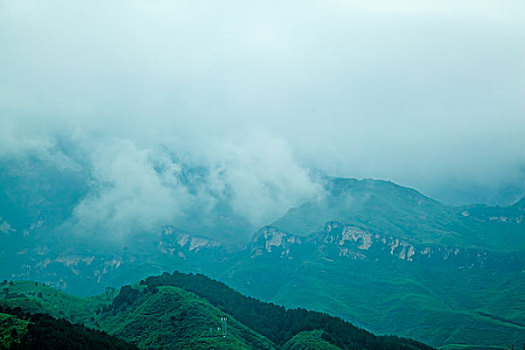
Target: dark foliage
{"points": [[126, 296], [45, 332], [277, 323]]}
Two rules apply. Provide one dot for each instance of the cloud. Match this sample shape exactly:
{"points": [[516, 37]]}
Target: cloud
{"points": [[429, 95], [138, 190], [263, 176], [127, 194]]}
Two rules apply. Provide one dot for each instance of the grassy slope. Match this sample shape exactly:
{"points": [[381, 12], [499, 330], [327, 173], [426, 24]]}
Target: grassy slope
{"points": [[311, 340], [450, 300], [406, 301], [160, 317], [277, 323], [170, 316], [39, 298], [436, 305], [174, 316], [382, 206]]}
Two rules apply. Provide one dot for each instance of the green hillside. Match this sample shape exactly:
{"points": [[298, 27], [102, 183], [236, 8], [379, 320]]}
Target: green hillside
{"points": [[24, 331], [406, 301], [446, 296], [169, 317], [181, 311], [164, 317], [309, 340], [417, 268], [37, 297], [382, 206], [275, 322], [381, 256]]}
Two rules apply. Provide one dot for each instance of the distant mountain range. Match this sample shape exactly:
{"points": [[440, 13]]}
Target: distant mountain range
{"points": [[381, 256]]}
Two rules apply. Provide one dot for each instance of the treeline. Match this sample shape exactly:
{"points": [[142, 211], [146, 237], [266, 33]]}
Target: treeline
{"points": [[47, 333], [275, 322]]}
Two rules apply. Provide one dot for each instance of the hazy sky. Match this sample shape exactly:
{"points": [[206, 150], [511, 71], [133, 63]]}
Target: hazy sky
{"points": [[428, 94]]}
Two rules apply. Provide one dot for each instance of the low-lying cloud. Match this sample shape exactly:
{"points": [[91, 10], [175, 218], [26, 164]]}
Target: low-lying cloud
{"points": [[134, 189], [252, 97]]}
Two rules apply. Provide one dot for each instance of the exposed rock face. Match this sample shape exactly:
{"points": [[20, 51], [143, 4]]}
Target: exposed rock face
{"points": [[357, 243], [174, 242], [337, 240], [271, 240], [346, 241], [58, 267]]}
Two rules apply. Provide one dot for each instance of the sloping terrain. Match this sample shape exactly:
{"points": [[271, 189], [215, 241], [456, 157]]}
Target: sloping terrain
{"points": [[313, 340], [435, 293], [389, 209], [169, 317], [162, 318], [20, 330], [379, 255], [182, 311], [439, 274], [277, 323]]}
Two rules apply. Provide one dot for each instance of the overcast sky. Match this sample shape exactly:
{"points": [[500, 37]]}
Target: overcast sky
{"points": [[428, 94]]}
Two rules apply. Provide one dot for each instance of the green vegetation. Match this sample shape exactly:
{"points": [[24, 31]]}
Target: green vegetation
{"points": [[474, 299], [21, 331], [475, 347], [275, 322], [11, 330], [312, 340], [443, 304], [39, 298], [384, 207], [183, 311], [172, 317]]}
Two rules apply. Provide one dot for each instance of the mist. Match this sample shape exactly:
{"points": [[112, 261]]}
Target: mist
{"points": [[255, 97]]}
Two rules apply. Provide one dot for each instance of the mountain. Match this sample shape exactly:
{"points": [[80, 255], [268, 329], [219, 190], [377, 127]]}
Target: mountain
{"points": [[418, 268], [181, 311], [275, 322], [386, 208], [440, 294], [382, 256]]}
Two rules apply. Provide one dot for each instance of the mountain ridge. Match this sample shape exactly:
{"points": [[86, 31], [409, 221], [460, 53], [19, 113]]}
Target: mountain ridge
{"points": [[179, 311], [414, 252]]}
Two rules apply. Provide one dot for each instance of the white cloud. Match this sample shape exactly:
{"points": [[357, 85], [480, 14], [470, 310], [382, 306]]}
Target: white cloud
{"points": [[263, 175], [416, 92], [127, 194], [137, 189]]}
